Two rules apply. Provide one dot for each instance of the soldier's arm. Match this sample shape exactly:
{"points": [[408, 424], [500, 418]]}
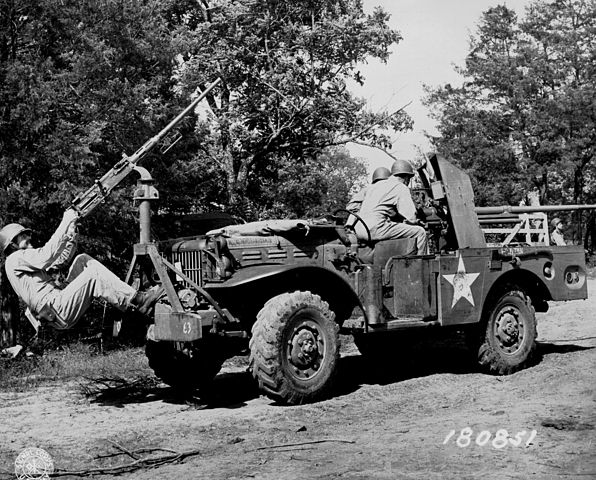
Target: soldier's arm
{"points": [[356, 201], [69, 251], [42, 258]]}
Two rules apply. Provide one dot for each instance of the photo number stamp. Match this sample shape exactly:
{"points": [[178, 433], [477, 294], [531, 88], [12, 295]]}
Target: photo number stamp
{"points": [[499, 440]]}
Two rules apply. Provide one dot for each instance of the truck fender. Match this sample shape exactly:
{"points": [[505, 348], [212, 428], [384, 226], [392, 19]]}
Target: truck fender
{"points": [[332, 286]]}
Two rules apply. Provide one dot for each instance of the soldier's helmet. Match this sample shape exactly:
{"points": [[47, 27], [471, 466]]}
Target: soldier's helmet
{"points": [[10, 232], [554, 222], [380, 173], [402, 167]]}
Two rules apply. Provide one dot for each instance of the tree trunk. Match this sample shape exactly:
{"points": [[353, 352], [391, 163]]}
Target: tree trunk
{"points": [[578, 189], [9, 311], [237, 178]]}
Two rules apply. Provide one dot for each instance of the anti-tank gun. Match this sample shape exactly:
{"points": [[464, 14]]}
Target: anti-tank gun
{"points": [[502, 225], [529, 225]]}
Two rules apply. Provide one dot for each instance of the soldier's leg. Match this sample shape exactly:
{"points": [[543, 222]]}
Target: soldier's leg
{"points": [[78, 265], [89, 279], [391, 230]]}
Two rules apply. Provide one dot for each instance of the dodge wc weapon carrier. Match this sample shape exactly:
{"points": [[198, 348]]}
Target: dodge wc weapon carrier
{"points": [[284, 289]]}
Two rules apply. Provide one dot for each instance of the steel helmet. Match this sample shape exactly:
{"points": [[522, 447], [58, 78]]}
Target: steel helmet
{"points": [[381, 173], [402, 167], [9, 233], [554, 222]]}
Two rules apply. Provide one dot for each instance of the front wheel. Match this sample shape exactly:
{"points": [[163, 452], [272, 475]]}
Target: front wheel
{"points": [[185, 366], [294, 348], [509, 340]]}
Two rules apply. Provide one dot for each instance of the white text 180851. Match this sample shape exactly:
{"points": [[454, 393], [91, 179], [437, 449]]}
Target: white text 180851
{"points": [[500, 440]]}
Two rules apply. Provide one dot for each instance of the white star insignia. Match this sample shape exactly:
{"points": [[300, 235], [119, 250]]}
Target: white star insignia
{"points": [[462, 282]]}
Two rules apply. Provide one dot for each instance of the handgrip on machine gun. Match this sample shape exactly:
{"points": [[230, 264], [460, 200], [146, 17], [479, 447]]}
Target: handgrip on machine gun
{"points": [[85, 202]]}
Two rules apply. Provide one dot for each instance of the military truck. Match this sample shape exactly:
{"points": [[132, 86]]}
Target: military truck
{"points": [[285, 289]]}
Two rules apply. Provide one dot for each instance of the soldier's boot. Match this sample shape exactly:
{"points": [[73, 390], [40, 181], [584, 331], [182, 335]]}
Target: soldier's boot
{"points": [[144, 301]]}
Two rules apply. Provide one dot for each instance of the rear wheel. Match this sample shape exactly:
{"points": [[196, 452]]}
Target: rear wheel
{"points": [[185, 366], [294, 348], [509, 339]]}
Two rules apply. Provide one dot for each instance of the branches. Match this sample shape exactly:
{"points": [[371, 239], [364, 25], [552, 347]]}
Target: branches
{"points": [[299, 444], [114, 388], [364, 144], [358, 135], [138, 463], [170, 456]]}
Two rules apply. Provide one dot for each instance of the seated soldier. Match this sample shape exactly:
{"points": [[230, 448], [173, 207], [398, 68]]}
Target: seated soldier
{"points": [[389, 210], [380, 173]]}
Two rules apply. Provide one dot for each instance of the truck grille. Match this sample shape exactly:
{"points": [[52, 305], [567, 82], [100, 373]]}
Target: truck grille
{"points": [[192, 265]]}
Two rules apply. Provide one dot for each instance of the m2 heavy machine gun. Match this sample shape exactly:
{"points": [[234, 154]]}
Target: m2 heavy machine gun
{"points": [[86, 202], [145, 252]]}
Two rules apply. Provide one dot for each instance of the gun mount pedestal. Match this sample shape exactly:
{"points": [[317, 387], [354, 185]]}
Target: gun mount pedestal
{"points": [[172, 322]]}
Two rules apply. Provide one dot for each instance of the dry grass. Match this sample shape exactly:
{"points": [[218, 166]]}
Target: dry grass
{"points": [[73, 362]]}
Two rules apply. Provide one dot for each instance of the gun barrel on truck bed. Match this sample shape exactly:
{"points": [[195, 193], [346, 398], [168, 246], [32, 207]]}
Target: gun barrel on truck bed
{"points": [[484, 211]]}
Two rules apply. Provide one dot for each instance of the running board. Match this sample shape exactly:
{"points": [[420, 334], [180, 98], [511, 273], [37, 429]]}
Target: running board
{"points": [[356, 325], [402, 323]]}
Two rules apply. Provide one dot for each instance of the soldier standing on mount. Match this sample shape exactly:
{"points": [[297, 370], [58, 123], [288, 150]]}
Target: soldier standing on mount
{"points": [[557, 234], [389, 210], [27, 271]]}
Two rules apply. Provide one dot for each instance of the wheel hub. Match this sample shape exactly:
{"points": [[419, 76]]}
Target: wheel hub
{"points": [[305, 350], [509, 330]]}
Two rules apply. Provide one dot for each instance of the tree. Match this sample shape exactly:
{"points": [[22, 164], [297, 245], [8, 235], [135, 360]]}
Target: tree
{"points": [[312, 188], [524, 116], [81, 83], [285, 67]]}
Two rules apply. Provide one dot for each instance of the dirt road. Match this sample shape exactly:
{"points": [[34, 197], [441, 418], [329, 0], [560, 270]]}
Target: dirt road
{"points": [[407, 419]]}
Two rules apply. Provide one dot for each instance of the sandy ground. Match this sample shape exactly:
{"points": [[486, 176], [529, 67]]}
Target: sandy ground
{"points": [[386, 421]]}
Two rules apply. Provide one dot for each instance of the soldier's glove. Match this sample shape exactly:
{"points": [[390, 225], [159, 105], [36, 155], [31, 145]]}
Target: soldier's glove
{"points": [[70, 215]]}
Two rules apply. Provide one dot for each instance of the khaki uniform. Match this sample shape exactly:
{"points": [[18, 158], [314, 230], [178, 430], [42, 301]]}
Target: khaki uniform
{"points": [[87, 278], [356, 201], [557, 238], [354, 205], [384, 202]]}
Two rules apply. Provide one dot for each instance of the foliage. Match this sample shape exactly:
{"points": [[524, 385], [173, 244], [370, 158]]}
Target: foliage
{"points": [[311, 188], [72, 362], [524, 117], [285, 67], [83, 82], [79, 83]]}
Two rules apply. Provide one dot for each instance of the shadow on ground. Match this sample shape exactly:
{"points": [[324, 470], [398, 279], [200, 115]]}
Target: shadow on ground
{"points": [[386, 363]]}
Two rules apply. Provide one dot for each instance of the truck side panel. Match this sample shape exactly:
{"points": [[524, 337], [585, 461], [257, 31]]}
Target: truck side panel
{"points": [[461, 282]]}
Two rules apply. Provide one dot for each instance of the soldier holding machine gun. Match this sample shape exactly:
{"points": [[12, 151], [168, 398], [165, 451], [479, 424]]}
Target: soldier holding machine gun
{"points": [[27, 267], [27, 271]]}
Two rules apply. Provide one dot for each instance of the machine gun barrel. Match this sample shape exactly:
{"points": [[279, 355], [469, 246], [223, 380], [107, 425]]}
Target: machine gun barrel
{"points": [[86, 202], [485, 211]]}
